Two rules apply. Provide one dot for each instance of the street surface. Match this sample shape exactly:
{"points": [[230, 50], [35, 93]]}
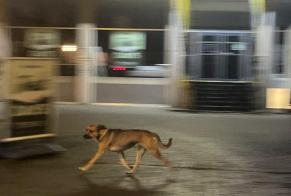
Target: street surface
{"points": [[213, 154]]}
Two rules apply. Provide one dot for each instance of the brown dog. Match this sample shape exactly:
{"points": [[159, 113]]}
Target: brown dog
{"points": [[118, 140]]}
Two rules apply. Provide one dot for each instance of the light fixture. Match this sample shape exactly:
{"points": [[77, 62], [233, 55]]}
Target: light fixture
{"points": [[69, 48]]}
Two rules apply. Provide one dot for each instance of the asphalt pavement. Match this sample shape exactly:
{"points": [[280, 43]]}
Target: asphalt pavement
{"points": [[212, 153]]}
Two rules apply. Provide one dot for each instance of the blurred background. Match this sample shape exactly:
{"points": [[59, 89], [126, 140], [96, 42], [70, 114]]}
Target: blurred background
{"points": [[191, 55], [200, 55]]}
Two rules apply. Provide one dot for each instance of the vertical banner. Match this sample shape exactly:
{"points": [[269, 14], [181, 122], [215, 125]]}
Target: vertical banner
{"points": [[30, 95], [183, 8], [257, 8]]}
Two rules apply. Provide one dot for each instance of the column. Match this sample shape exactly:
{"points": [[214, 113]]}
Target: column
{"points": [[85, 89], [264, 53], [176, 55], [265, 40], [4, 53], [287, 54], [4, 38]]}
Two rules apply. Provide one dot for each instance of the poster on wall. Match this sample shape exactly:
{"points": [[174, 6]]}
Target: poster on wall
{"points": [[41, 42], [127, 48], [30, 95]]}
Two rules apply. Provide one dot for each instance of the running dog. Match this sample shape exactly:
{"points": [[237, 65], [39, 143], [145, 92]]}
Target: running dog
{"points": [[119, 140]]}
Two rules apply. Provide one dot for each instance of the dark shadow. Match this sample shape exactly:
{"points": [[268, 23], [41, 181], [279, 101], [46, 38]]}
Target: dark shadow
{"points": [[113, 188]]}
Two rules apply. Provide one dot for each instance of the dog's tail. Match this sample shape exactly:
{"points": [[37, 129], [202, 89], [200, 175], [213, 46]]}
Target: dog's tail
{"points": [[164, 146]]}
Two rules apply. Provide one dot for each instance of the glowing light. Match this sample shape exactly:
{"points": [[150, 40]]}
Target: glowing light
{"points": [[69, 48], [118, 68]]}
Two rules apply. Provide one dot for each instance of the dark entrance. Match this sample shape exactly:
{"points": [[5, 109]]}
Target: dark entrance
{"points": [[219, 65], [220, 55]]}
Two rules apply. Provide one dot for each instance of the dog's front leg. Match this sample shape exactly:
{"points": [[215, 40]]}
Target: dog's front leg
{"points": [[91, 162], [139, 154], [123, 161]]}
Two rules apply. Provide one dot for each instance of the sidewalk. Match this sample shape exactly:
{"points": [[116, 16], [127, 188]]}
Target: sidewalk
{"points": [[213, 153]]}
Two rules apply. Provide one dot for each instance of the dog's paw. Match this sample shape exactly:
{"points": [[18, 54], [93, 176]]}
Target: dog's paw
{"points": [[82, 168], [129, 173]]}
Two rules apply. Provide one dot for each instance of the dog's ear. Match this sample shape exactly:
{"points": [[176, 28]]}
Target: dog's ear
{"points": [[100, 127]]}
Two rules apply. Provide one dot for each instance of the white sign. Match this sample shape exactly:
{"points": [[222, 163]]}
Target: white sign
{"points": [[30, 95], [41, 42]]}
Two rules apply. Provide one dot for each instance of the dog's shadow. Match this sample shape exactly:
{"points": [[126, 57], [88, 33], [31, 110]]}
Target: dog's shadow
{"points": [[133, 186]]}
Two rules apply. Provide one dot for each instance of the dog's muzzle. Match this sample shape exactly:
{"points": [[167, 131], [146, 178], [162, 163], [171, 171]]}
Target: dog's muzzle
{"points": [[85, 136]]}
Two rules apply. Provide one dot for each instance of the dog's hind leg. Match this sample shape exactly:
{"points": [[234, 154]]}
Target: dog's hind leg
{"points": [[156, 153], [123, 161], [139, 154]]}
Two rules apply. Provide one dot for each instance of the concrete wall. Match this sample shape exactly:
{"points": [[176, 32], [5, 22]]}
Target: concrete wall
{"points": [[118, 90]]}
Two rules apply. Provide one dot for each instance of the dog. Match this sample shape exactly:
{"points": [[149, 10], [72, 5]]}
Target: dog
{"points": [[119, 140]]}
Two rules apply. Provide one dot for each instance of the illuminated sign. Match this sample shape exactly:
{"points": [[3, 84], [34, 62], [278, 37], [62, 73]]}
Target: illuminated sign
{"points": [[30, 95], [127, 41], [127, 48], [41, 42]]}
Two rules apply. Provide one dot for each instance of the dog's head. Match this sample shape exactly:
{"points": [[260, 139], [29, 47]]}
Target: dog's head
{"points": [[93, 131]]}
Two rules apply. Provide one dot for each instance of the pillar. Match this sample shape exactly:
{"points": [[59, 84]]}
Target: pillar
{"points": [[85, 90]]}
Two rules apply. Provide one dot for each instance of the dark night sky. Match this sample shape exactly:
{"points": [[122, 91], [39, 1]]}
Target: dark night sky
{"points": [[143, 14], [128, 13]]}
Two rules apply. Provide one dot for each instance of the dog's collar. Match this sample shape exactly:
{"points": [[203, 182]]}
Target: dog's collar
{"points": [[100, 137]]}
